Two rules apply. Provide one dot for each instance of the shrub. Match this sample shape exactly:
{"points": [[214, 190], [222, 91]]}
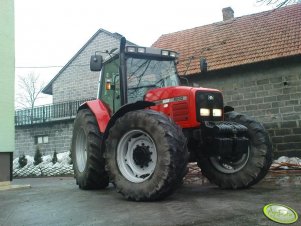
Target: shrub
{"points": [[70, 156], [22, 161], [54, 157], [37, 156]]}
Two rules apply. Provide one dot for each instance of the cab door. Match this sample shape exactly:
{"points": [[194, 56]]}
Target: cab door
{"points": [[110, 86]]}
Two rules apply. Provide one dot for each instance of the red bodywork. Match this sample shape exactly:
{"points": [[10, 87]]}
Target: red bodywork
{"points": [[177, 102], [101, 112]]}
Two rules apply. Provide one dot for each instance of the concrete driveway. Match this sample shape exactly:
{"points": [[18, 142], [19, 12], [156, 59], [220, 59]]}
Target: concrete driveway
{"points": [[58, 201]]}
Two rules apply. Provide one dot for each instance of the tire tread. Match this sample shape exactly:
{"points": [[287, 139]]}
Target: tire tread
{"points": [[258, 164], [172, 178], [94, 175]]}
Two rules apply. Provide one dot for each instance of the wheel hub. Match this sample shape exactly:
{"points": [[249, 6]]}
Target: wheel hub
{"points": [[230, 165], [136, 156], [142, 155], [81, 150]]}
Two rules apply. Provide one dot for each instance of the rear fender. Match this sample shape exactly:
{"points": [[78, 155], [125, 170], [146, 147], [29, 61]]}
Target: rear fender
{"points": [[101, 112]]}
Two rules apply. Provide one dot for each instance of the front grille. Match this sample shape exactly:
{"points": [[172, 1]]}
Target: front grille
{"points": [[180, 111], [208, 100]]}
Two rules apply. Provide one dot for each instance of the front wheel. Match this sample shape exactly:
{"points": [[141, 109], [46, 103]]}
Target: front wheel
{"points": [[146, 155], [243, 170], [86, 152]]}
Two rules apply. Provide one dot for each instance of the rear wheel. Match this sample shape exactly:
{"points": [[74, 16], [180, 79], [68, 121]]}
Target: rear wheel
{"points": [[87, 156], [243, 170], [146, 155]]}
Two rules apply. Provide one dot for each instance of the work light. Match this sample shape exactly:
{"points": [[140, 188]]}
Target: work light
{"points": [[172, 54], [165, 53], [141, 50], [131, 49]]}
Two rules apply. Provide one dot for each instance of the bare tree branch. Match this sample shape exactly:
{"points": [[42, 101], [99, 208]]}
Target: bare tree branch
{"points": [[279, 3], [29, 90]]}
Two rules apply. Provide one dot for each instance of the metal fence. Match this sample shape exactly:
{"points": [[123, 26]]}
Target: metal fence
{"points": [[48, 113]]}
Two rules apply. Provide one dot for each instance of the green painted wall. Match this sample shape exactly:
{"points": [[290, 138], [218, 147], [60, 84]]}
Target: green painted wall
{"points": [[7, 76]]}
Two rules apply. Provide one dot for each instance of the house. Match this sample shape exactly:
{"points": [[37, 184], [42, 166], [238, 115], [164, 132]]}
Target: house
{"points": [[256, 61], [75, 81], [50, 127], [7, 70]]}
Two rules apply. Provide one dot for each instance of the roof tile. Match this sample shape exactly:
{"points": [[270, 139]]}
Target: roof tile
{"points": [[242, 40]]}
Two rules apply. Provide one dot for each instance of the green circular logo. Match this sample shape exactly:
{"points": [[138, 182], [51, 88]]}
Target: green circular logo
{"points": [[280, 213]]}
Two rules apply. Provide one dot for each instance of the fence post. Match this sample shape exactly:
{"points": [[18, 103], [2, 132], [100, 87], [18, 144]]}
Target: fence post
{"points": [[70, 109], [43, 113], [31, 115]]}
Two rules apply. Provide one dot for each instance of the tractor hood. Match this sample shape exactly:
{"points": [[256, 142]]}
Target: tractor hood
{"points": [[184, 104], [176, 92]]}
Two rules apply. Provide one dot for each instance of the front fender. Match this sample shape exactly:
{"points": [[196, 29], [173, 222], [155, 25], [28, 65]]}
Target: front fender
{"points": [[124, 109], [100, 111]]}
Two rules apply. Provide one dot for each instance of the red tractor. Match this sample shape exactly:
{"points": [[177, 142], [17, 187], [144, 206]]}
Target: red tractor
{"points": [[145, 127]]}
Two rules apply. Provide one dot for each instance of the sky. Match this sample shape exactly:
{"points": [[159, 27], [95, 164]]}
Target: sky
{"points": [[48, 33]]}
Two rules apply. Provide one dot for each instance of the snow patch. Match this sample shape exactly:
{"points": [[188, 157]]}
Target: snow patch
{"points": [[63, 166], [284, 162], [45, 168]]}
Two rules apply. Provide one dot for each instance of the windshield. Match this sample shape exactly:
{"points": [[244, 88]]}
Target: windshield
{"points": [[145, 74]]}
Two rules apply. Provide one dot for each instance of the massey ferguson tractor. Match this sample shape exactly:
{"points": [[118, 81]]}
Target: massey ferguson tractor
{"points": [[144, 128]]}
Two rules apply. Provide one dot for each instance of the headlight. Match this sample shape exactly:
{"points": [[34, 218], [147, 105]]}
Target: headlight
{"points": [[217, 112], [204, 112]]}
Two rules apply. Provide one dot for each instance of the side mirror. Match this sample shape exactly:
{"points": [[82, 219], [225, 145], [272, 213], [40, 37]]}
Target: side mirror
{"points": [[95, 62]]}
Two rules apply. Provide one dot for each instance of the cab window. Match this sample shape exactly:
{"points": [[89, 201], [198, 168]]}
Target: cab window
{"points": [[110, 74]]}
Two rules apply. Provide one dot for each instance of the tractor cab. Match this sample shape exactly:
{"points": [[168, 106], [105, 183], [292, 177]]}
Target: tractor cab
{"points": [[141, 68]]}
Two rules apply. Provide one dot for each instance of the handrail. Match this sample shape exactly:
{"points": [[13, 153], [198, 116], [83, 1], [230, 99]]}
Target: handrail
{"points": [[48, 113]]}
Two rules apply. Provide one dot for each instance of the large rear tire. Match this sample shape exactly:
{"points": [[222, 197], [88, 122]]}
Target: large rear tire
{"points": [[146, 155], [247, 169], [87, 156]]}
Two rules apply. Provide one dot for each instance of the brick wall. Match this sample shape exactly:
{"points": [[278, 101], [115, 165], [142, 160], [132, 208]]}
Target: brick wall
{"points": [[271, 93], [77, 82], [59, 138]]}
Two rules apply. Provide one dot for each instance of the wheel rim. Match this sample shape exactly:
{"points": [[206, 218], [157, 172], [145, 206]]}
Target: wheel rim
{"points": [[136, 156], [228, 166], [81, 150]]}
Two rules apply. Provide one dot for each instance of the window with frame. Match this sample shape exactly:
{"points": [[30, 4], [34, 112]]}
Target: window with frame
{"points": [[111, 74], [41, 139]]}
